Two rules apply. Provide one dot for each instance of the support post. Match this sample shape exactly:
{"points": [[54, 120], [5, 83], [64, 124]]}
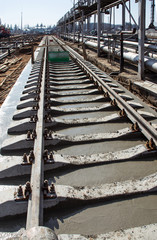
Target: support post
{"points": [[88, 25], [94, 21], [82, 25], [123, 17], [9, 54], [141, 36], [129, 16], [121, 53], [74, 26], [32, 54], [98, 27]]}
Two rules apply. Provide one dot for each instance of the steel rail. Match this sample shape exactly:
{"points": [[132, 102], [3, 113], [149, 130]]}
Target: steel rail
{"points": [[148, 131], [35, 203]]}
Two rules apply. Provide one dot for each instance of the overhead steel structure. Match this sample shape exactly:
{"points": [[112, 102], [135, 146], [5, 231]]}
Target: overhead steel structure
{"points": [[84, 9]]}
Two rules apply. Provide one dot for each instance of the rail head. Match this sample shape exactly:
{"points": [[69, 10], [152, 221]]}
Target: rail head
{"points": [[35, 203]]}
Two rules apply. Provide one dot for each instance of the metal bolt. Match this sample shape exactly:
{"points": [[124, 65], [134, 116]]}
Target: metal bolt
{"points": [[35, 118], [52, 188], [20, 191], [132, 127], [45, 133], [28, 135], [28, 189], [34, 134], [50, 134], [51, 156], [106, 95], [37, 98], [49, 117], [32, 119], [136, 127], [95, 83], [46, 184], [36, 107], [100, 88], [152, 144], [45, 188], [25, 158], [48, 106], [113, 102], [122, 113], [31, 156], [147, 144], [45, 155]]}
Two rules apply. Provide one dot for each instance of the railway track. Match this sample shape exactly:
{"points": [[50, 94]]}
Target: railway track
{"points": [[79, 156]]}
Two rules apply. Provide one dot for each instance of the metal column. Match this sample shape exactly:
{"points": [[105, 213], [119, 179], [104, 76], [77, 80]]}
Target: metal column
{"points": [[123, 16], [74, 26], [82, 25], [98, 27], [141, 35], [88, 25]]}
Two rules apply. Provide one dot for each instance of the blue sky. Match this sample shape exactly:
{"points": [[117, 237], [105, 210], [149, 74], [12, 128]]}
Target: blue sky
{"points": [[47, 12]]}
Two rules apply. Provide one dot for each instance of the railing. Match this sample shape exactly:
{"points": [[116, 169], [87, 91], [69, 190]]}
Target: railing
{"points": [[74, 8]]}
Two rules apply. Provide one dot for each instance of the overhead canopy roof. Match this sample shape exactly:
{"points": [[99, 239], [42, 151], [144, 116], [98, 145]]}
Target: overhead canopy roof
{"points": [[88, 7]]}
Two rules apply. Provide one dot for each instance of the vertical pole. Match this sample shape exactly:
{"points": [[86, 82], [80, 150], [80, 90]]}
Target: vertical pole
{"points": [[68, 26], [74, 24], [110, 19], [88, 25], [129, 15], [114, 17], [121, 53], [82, 25], [94, 21], [98, 27], [9, 54], [123, 17], [141, 35], [32, 54], [102, 22]]}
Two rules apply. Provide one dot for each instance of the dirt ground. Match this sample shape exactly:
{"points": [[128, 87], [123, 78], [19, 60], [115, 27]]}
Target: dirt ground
{"points": [[13, 66]]}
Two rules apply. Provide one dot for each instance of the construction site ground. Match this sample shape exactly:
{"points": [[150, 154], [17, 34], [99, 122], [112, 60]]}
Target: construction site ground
{"points": [[10, 69], [128, 78]]}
